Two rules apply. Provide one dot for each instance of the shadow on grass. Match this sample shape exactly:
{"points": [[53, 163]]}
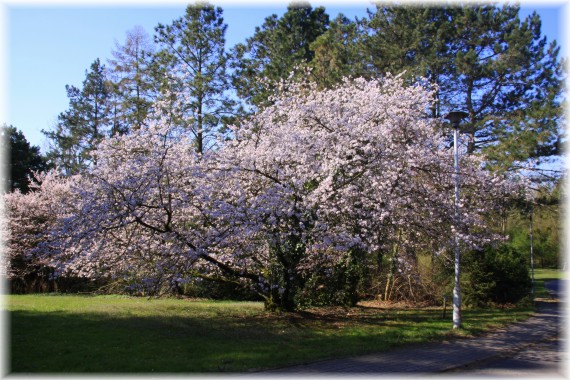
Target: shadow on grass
{"points": [[116, 342], [74, 342], [64, 342]]}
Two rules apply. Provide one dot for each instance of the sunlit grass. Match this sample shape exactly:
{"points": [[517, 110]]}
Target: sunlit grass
{"points": [[549, 274], [543, 275]]}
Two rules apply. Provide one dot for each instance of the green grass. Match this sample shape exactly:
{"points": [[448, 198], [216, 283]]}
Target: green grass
{"points": [[542, 275], [72, 334], [549, 274]]}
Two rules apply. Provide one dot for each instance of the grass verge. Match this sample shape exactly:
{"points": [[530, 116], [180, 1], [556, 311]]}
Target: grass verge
{"points": [[549, 274], [543, 275], [112, 334]]}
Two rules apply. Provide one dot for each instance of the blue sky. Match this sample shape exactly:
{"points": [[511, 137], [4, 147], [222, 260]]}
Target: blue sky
{"points": [[49, 45]]}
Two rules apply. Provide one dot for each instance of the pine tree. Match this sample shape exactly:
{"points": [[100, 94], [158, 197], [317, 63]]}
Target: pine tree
{"points": [[83, 125], [193, 53], [278, 47], [509, 80], [22, 159], [412, 41], [134, 87], [501, 71], [337, 53]]}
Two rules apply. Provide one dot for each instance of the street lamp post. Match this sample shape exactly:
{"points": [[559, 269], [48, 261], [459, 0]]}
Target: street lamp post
{"points": [[455, 118], [531, 250]]}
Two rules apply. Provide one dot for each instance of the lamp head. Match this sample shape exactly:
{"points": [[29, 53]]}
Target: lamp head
{"points": [[455, 117]]}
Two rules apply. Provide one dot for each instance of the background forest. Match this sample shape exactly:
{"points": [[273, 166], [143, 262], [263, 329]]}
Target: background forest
{"points": [[481, 59]]}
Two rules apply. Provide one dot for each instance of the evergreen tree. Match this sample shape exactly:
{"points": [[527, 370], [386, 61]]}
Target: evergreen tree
{"points": [[500, 70], [80, 128], [410, 40], [509, 80], [276, 49], [22, 159], [336, 53], [133, 83], [193, 53]]}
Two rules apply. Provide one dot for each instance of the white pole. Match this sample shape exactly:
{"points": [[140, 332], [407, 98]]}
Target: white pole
{"points": [[531, 251], [457, 287]]}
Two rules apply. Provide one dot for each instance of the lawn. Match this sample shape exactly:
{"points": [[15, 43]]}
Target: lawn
{"points": [[542, 275], [549, 274], [113, 334]]}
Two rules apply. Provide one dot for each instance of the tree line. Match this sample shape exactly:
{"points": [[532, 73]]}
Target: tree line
{"points": [[484, 60], [296, 226]]}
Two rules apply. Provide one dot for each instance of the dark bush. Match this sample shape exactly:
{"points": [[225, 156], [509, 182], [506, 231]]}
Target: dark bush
{"points": [[200, 288], [336, 285], [495, 275]]}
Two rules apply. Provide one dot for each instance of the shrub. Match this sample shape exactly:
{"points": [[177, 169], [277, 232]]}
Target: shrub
{"points": [[495, 275]]}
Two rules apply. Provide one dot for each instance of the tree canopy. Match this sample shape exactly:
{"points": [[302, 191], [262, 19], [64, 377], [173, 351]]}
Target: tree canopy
{"points": [[80, 128], [22, 159], [319, 175], [336, 161], [487, 62], [483, 58], [194, 58], [276, 49]]}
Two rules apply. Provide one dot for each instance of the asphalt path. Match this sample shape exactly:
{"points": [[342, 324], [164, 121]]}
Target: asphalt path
{"points": [[542, 359], [556, 288], [547, 358]]}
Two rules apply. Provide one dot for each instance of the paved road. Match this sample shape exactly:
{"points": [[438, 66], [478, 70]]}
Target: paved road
{"points": [[532, 347], [557, 288], [543, 358]]}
